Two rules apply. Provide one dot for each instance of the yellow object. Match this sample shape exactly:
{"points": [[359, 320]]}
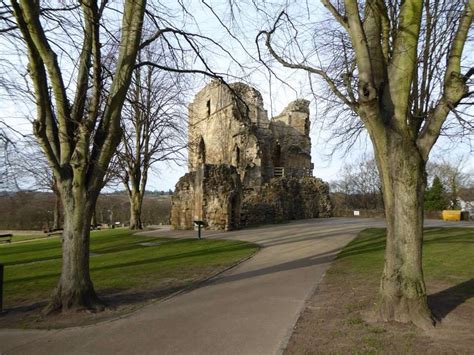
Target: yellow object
{"points": [[451, 215]]}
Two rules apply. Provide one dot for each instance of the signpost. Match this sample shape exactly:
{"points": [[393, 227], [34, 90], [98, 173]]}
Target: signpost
{"points": [[199, 224]]}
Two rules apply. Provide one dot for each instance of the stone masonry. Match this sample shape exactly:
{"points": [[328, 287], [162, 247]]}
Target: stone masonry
{"points": [[244, 168]]}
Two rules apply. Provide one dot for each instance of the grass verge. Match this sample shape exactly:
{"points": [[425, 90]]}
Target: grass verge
{"points": [[127, 271], [337, 319]]}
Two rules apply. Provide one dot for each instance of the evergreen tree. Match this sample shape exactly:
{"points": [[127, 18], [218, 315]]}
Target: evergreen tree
{"points": [[435, 196]]}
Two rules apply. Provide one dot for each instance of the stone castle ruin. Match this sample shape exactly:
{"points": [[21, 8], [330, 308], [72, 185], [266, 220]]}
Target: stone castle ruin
{"points": [[244, 168]]}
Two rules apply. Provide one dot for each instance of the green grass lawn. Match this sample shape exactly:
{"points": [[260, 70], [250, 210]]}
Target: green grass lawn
{"points": [[448, 254], [118, 263]]}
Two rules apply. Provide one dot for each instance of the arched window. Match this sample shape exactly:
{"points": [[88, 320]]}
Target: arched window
{"points": [[202, 152], [236, 160], [277, 155]]}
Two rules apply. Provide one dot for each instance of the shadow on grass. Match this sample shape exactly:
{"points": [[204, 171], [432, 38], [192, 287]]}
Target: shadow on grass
{"points": [[99, 249], [365, 245], [120, 301], [18, 249], [446, 301], [200, 253], [376, 241]]}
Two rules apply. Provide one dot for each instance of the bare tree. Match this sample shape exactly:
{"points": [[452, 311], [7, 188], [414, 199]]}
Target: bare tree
{"points": [[24, 167], [77, 135], [153, 126], [360, 183], [397, 67], [34, 172], [8, 153]]}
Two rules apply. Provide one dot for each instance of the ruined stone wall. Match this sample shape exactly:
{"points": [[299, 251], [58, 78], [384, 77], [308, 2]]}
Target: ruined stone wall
{"points": [[211, 194], [223, 130], [315, 198], [182, 202], [291, 137], [286, 199], [233, 151], [229, 125], [222, 197]]}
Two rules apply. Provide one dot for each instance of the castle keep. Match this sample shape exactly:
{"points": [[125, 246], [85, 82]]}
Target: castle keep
{"points": [[244, 168]]}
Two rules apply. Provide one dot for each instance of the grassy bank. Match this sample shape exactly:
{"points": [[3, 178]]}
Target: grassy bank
{"points": [[126, 269], [448, 254], [338, 316]]}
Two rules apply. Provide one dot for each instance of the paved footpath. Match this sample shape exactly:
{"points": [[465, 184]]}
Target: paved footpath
{"points": [[250, 309]]}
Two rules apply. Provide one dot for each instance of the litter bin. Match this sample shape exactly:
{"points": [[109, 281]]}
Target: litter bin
{"points": [[451, 215]]}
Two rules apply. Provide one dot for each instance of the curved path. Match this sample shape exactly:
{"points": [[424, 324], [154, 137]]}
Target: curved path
{"points": [[250, 309]]}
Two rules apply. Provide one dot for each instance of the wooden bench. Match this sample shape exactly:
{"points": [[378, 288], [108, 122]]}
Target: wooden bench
{"points": [[7, 238], [54, 232]]}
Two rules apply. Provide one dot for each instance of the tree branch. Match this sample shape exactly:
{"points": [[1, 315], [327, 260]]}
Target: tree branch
{"points": [[30, 13], [305, 67], [455, 88]]}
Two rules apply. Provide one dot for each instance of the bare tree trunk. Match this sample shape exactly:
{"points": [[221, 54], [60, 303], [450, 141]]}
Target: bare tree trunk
{"points": [[79, 136], [94, 218], [136, 202], [57, 211], [74, 290], [402, 288]]}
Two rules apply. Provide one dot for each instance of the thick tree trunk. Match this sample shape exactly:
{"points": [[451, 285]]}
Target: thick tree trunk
{"points": [[74, 291], [136, 201], [57, 212], [402, 289]]}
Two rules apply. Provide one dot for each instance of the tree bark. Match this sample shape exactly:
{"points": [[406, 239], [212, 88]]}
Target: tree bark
{"points": [[136, 202], [75, 290], [402, 289], [94, 218], [57, 211]]}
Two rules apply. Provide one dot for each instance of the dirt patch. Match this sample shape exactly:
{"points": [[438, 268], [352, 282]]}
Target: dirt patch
{"points": [[336, 320]]}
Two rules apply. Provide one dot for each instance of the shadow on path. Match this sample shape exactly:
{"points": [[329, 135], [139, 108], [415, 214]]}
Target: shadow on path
{"points": [[446, 301], [313, 260]]}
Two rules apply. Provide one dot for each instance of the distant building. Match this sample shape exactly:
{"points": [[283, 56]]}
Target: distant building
{"points": [[466, 201]]}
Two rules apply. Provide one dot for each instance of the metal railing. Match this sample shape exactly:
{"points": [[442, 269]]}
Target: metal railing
{"points": [[280, 171]]}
